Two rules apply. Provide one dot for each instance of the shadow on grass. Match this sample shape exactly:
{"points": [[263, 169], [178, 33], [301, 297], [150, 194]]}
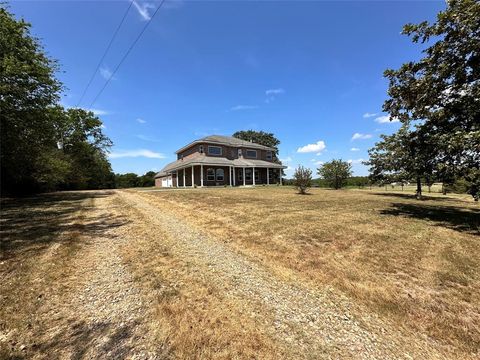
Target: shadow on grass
{"points": [[103, 340], [452, 217], [32, 224], [411, 196]]}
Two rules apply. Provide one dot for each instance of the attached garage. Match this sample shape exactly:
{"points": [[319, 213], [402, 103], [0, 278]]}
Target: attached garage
{"points": [[165, 180]]}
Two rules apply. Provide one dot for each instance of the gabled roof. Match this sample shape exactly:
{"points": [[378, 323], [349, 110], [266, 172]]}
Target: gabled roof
{"points": [[225, 140], [201, 159]]}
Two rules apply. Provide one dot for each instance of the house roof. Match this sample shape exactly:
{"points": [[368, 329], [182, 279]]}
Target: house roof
{"points": [[201, 159], [225, 140]]}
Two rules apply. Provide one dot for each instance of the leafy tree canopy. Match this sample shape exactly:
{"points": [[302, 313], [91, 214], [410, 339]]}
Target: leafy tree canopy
{"points": [[437, 99], [335, 172], [262, 138], [43, 146]]}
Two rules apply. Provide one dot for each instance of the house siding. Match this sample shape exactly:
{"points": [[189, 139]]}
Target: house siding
{"points": [[229, 152]]}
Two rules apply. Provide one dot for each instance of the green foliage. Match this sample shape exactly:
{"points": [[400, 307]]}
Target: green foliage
{"points": [[43, 146], [130, 180], [302, 179], [127, 180], [27, 87], [335, 172], [262, 138], [147, 179], [437, 99]]}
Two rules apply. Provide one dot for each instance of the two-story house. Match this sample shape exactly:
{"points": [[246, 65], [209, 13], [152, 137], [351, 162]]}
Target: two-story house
{"points": [[218, 161]]}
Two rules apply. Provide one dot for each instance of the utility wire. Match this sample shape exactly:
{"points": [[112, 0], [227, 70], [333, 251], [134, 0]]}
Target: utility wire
{"points": [[105, 53], [126, 54]]}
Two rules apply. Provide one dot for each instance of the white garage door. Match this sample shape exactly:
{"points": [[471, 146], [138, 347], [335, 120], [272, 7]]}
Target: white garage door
{"points": [[167, 182]]}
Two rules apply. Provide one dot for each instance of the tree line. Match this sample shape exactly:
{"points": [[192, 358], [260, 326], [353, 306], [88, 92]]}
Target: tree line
{"points": [[44, 146]]}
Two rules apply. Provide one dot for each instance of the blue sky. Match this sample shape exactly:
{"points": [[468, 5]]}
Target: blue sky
{"points": [[310, 72]]}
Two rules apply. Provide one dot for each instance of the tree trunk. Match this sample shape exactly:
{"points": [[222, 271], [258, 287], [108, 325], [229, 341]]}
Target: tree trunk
{"points": [[418, 193], [444, 189]]}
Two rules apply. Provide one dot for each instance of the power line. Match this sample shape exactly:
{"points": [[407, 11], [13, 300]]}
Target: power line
{"points": [[126, 54], [105, 53]]}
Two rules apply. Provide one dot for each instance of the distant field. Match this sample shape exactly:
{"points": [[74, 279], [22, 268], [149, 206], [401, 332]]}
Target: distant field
{"points": [[240, 273], [410, 261]]}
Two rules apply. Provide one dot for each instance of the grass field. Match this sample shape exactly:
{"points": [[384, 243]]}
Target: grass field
{"points": [[224, 273], [414, 262]]}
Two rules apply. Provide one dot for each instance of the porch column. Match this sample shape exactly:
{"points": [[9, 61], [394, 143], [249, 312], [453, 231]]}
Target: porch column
{"points": [[233, 169], [193, 178], [230, 174], [184, 185], [243, 176], [176, 178], [268, 179], [201, 175], [253, 175], [280, 175]]}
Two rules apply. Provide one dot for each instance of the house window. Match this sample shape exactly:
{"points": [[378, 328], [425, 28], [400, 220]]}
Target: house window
{"points": [[239, 153], [270, 174], [214, 150], [210, 174], [251, 154], [220, 175], [240, 175], [269, 155], [200, 149], [248, 174], [257, 175]]}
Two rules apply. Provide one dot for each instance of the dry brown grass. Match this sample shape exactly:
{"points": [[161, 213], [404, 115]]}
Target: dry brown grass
{"points": [[190, 313], [412, 262]]}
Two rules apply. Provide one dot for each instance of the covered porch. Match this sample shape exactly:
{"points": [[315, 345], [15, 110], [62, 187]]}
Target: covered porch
{"points": [[214, 175]]}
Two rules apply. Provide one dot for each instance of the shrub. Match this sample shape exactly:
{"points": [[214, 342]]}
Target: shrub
{"points": [[302, 179]]}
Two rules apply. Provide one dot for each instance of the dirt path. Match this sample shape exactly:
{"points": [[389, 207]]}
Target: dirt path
{"points": [[316, 322], [76, 299]]}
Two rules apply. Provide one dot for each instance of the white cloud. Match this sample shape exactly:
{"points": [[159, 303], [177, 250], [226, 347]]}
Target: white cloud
{"points": [[354, 149], [136, 153], [369, 115], [143, 9], [318, 146], [103, 126], [141, 121], [271, 92], [106, 73], [386, 119], [358, 136], [289, 171], [243, 107], [286, 160], [356, 161], [319, 163], [99, 111], [147, 138]]}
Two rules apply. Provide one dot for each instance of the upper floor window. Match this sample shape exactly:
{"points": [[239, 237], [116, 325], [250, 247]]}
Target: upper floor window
{"points": [[220, 174], [200, 149], [269, 155], [214, 150], [239, 153], [251, 154]]}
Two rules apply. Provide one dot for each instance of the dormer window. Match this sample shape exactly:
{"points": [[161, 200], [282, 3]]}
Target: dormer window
{"points": [[214, 150], [252, 154], [269, 155], [200, 149]]}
